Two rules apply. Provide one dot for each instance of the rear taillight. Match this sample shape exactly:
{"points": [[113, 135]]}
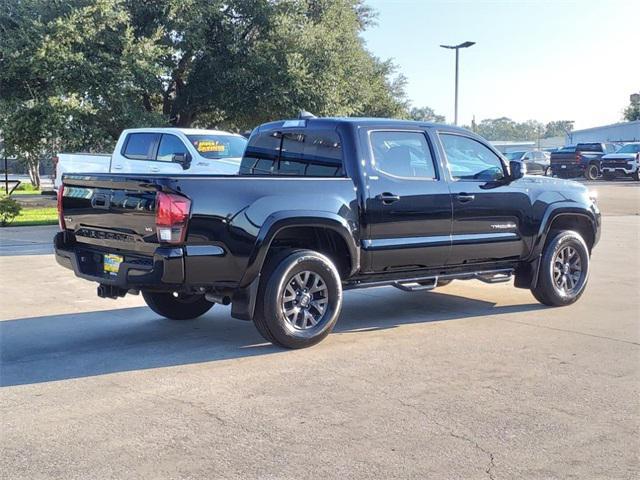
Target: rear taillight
{"points": [[60, 213], [578, 158], [172, 213]]}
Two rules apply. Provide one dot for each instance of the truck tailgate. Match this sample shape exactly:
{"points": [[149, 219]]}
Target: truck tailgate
{"points": [[111, 211]]}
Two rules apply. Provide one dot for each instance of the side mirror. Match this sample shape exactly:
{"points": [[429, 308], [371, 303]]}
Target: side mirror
{"points": [[183, 159], [518, 169]]}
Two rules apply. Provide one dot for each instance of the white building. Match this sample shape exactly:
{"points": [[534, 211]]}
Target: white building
{"points": [[616, 133]]}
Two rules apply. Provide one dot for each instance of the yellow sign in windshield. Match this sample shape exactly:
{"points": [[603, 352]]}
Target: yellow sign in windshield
{"points": [[205, 146]]}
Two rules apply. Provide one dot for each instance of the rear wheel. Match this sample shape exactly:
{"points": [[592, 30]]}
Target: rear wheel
{"points": [[592, 172], [299, 299], [564, 270], [177, 306]]}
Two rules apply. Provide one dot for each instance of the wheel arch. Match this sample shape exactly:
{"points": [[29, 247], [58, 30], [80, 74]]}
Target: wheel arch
{"points": [[278, 224], [560, 217]]}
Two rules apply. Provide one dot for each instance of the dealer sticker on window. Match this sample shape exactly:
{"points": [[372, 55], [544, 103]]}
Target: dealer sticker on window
{"points": [[112, 263], [205, 146]]}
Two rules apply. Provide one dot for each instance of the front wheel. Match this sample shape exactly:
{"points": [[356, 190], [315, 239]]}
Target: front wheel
{"points": [[564, 270], [299, 299], [177, 306], [592, 172]]}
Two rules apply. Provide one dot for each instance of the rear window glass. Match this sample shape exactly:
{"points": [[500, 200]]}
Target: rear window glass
{"points": [[589, 147], [218, 146], [141, 146], [302, 153]]}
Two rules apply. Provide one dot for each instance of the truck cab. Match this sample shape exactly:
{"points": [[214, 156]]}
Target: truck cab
{"points": [[169, 151], [177, 150]]}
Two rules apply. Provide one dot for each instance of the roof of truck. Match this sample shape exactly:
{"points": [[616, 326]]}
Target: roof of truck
{"points": [[186, 131], [363, 121]]}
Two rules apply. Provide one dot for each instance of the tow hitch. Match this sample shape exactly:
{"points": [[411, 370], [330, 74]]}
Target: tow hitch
{"points": [[111, 291]]}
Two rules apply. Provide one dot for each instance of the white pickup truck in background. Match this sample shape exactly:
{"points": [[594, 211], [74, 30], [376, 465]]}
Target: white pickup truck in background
{"points": [[162, 151]]}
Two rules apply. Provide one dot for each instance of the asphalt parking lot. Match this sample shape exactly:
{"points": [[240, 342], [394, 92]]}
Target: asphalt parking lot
{"points": [[469, 381]]}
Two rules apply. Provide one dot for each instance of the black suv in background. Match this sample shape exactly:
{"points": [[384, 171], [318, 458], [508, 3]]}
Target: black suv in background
{"points": [[321, 206]]}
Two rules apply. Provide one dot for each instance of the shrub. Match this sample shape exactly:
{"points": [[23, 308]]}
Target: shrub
{"points": [[9, 209]]}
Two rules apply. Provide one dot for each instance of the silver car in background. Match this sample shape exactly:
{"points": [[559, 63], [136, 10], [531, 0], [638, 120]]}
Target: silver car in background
{"points": [[537, 162]]}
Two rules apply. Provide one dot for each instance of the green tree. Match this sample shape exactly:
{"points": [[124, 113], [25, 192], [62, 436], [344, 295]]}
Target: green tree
{"points": [[632, 112], [558, 128], [425, 114], [79, 71], [506, 129]]}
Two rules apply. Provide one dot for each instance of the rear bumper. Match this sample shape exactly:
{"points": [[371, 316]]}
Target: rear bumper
{"points": [[569, 170], [164, 268]]}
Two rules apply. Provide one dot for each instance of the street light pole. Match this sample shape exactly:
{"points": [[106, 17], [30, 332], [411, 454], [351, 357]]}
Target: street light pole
{"points": [[457, 49]]}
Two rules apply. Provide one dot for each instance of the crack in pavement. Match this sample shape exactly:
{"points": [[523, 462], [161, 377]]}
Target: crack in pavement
{"points": [[476, 445], [571, 331]]}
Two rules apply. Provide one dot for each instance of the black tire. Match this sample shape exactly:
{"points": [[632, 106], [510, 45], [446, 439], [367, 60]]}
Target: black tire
{"points": [[636, 175], [592, 172], [278, 279], [547, 290], [177, 306]]}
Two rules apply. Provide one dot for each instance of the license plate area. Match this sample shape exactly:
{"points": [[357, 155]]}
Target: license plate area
{"points": [[111, 263]]}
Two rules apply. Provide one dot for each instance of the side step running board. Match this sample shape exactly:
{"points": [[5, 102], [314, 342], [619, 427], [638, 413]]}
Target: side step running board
{"points": [[416, 284], [428, 284]]}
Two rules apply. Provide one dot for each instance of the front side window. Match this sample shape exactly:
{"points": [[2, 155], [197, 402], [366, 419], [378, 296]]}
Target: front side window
{"points": [[469, 159], [402, 154], [170, 145], [141, 146]]}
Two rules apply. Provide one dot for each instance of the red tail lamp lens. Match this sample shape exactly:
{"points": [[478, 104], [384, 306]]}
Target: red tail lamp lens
{"points": [[172, 214]]}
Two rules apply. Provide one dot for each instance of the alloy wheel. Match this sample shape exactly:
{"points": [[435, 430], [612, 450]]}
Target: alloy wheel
{"points": [[567, 271], [304, 300]]}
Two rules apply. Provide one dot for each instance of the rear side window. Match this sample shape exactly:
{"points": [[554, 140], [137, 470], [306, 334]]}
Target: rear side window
{"points": [[141, 146], [402, 154], [300, 153]]}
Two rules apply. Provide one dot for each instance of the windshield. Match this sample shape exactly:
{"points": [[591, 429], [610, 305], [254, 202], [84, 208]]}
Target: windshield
{"points": [[631, 148], [218, 146], [514, 155]]}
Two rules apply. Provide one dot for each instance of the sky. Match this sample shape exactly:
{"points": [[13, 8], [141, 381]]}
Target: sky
{"points": [[541, 60]]}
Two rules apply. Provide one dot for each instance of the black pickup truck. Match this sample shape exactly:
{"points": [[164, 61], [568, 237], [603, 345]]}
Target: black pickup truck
{"points": [[580, 160], [324, 205]]}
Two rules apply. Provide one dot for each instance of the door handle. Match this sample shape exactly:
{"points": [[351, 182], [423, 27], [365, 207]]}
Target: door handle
{"points": [[387, 198], [117, 167], [155, 169], [465, 197]]}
